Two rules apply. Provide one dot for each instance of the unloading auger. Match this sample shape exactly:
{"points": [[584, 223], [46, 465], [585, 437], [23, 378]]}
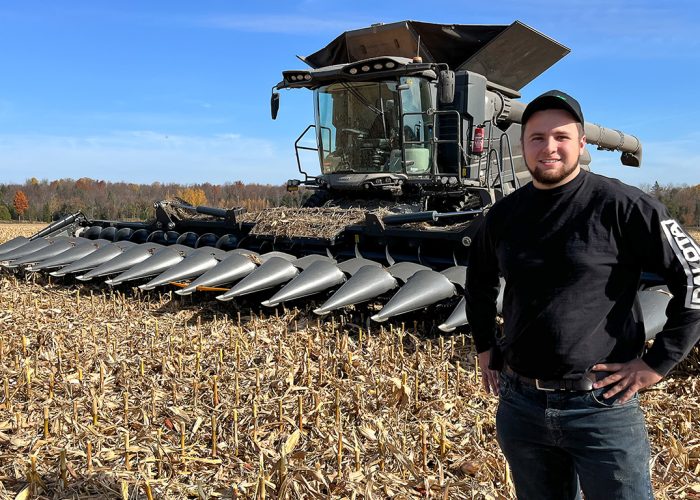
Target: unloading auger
{"points": [[417, 130]]}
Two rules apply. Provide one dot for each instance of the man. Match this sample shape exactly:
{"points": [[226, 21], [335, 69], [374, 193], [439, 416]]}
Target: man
{"points": [[569, 361]]}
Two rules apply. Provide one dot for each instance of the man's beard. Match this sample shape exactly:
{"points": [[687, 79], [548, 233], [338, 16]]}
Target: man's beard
{"points": [[552, 176]]}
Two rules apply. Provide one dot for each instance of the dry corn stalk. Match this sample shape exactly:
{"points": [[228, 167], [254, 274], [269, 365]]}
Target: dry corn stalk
{"points": [[128, 385]]}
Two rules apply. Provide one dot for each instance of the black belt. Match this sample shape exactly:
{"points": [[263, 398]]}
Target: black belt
{"points": [[585, 383]]}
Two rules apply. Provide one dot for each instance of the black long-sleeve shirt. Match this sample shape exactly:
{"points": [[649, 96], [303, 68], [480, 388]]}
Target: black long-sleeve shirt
{"points": [[572, 258]]}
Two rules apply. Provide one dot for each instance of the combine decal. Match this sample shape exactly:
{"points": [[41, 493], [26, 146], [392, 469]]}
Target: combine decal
{"points": [[688, 254]]}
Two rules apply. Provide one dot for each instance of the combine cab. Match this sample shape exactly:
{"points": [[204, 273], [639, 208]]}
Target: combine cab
{"points": [[417, 130]]}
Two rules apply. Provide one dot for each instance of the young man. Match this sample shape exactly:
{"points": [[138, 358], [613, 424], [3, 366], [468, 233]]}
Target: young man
{"points": [[567, 367]]}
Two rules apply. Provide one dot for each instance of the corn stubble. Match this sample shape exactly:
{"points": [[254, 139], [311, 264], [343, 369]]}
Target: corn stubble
{"points": [[128, 395]]}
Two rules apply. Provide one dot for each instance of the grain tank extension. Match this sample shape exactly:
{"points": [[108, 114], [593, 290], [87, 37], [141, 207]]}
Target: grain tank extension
{"points": [[416, 134]]}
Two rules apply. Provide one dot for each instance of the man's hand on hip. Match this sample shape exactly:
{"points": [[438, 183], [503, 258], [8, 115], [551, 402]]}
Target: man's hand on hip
{"points": [[489, 378], [629, 377]]}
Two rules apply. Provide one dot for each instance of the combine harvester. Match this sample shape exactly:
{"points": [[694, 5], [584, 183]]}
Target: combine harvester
{"points": [[417, 132]]}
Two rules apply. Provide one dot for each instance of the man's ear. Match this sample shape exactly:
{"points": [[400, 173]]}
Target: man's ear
{"points": [[582, 143]]}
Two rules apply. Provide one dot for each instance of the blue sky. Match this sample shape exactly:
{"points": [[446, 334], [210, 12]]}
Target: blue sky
{"points": [[179, 91]]}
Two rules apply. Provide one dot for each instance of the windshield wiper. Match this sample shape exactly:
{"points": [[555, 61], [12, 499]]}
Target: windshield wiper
{"points": [[362, 98]]}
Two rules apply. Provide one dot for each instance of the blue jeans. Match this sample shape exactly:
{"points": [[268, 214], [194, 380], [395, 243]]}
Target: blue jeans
{"points": [[558, 443]]}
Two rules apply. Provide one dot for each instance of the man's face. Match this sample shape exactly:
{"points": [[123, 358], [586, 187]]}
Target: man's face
{"points": [[552, 147]]}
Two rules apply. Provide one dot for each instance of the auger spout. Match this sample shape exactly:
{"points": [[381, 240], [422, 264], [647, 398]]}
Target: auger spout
{"points": [[607, 139]]}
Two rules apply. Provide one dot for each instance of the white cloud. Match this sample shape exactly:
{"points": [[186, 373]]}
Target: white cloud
{"points": [[144, 157]]}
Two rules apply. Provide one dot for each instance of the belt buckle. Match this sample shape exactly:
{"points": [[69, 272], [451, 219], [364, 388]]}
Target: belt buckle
{"points": [[540, 388]]}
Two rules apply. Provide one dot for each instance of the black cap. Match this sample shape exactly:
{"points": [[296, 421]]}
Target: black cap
{"points": [[554, 99]]}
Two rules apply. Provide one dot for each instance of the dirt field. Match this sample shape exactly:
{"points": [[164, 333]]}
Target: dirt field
{"points": [[130, 395]]}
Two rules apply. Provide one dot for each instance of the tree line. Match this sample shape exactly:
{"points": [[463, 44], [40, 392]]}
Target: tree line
{"points": [[683, 202], [43, 200]]}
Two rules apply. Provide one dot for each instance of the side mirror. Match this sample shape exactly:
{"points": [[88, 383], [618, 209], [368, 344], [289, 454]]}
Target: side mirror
{"points": [[446, 87], [274, 104]]}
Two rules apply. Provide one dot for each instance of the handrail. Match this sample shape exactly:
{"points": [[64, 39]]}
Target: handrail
{"points": [[296, 151], [516, 181]]}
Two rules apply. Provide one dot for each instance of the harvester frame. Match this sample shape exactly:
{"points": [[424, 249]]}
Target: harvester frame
{"points": [[417, 131]]}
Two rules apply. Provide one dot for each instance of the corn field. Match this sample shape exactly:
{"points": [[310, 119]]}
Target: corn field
{"points": [[123, 394]]}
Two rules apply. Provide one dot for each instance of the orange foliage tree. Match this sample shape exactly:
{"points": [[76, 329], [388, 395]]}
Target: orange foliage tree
{"points": [[122, 200], [193, 196], [20, 202]]}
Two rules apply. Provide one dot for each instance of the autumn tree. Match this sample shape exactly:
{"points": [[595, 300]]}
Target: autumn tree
{"points": [[20, 203], [193, 196], [124, 200]]}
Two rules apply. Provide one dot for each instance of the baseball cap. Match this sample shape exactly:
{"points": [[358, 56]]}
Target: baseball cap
{"points": [[554, 99]]}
